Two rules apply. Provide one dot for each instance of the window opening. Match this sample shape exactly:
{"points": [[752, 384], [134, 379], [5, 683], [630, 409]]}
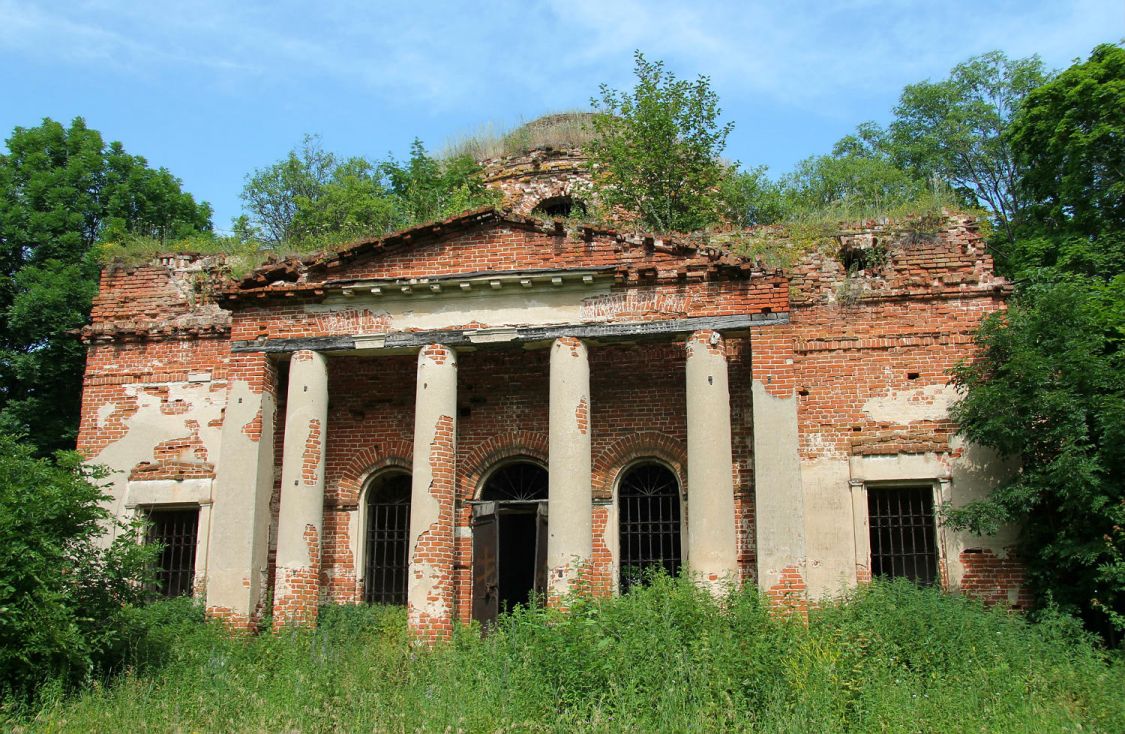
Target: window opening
{"points": [[903, 537], [648, 500], [176, 532], [388, 536]]}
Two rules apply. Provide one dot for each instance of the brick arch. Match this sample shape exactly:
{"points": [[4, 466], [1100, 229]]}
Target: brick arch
{"points": [[609, 464], [495, 449], [366, 462]]}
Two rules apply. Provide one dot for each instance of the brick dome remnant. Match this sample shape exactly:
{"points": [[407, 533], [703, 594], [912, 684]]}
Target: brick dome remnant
{"points": [[542, 163], [541, 175]]}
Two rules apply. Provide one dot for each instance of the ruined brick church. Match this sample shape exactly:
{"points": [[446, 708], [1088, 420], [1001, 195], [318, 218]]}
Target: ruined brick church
{"points": [[473, 412]]}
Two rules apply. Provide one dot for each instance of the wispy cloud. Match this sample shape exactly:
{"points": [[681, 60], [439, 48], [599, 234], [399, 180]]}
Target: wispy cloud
{"points": [[802, 53]]}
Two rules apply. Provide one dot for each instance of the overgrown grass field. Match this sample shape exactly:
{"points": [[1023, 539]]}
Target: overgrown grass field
{"points": [[666, 657]]}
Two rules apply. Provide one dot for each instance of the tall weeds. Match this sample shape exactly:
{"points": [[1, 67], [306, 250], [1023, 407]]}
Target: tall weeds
{"points": [[666, 657]]}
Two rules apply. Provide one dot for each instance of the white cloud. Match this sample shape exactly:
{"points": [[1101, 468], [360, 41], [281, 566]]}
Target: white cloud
{"points": [[448, 55]]}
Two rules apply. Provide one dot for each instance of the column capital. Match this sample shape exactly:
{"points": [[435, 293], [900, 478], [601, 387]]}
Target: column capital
{"points": [[437, 352]]}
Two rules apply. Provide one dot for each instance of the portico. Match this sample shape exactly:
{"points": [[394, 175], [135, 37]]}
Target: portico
{"points": [[438, 500]]}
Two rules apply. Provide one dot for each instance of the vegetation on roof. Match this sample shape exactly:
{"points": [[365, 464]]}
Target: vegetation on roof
{"points": [[570, 130]]}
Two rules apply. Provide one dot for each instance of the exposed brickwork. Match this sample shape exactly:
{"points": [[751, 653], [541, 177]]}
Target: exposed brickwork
{"points": [[433, 550], [866, 354], [310, 460], [790, 595], [529, 179], [297, 593], [641, 444], [599, 575], [995, 580], [582, 416]]}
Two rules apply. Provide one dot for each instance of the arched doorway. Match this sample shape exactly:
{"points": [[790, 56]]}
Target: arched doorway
{"points": [[386, 538], [509, 539], [649, 522]]}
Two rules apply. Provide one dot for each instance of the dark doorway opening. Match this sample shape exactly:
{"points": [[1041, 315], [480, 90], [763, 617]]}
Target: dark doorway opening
{"points": [[517, 551], [560, 206], [510, 540]]}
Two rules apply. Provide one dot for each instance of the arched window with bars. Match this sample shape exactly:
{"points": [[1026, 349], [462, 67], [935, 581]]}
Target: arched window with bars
{"points": [[649, 522], [387, 534]]}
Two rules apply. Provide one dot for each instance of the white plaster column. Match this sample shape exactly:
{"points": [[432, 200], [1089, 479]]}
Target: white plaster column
{"points": [[570, 497], [432, 495], [712, 543], [244, 475], [300, 521], [779, 499]]}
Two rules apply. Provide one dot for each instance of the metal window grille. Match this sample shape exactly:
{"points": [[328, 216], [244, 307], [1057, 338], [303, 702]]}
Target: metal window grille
{"points": [[648, 501], [903, 537], [388, 532], [176, 532], [518, 482]]}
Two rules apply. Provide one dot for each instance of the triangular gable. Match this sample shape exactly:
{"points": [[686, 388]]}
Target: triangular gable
{"points": [[488, 240]]}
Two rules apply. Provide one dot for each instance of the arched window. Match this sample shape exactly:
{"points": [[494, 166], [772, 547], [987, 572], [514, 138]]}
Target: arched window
{"points": [[387, 535], [648, 507], [521, 481]]}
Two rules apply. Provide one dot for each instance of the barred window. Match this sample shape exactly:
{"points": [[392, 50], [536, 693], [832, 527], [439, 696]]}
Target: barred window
{"points": [[388, 534], [176, 532], [648, 500], [903, 537]]}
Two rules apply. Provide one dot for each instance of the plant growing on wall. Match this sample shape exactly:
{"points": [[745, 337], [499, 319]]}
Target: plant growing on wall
{"points": [[655, 153]]}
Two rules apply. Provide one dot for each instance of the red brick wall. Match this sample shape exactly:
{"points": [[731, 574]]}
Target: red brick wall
{"points": [[110, 367], [852, 338]]}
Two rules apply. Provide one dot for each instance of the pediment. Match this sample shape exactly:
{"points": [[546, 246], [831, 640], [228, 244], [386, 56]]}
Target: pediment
{"points": [[490, 244]]}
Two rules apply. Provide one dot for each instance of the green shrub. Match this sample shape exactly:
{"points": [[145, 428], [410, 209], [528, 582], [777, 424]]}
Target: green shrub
{"points": [[62, 591]]}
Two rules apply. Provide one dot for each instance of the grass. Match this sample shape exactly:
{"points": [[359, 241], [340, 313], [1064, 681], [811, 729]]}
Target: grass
{"points": [[662, 658], [784, 244], [564, 130]]}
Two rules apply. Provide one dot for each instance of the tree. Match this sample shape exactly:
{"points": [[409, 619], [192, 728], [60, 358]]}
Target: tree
{"points": [[848, 182], [61, 592], [749, 197], [427, 188], [1048, 384], [312, 199], [1048, 388], [957, 129], [62, 190], [273, 195], [1070, 139], [655, 151]]}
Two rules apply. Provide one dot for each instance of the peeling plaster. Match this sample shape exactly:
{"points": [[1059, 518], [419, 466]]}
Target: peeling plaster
{"points": [[199, 411], [929, 403]]}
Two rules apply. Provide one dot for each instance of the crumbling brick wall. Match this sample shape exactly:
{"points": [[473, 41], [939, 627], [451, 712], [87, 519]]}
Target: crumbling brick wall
{"points": [[867, 353]]}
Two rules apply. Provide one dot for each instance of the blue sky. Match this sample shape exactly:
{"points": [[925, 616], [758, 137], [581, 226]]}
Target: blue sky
{"points": [[212, 90]]}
